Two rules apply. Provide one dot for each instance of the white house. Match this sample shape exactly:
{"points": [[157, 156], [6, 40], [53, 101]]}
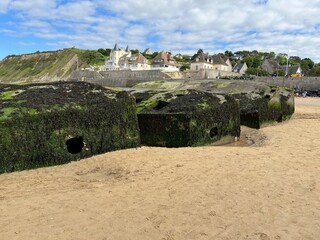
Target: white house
{"points": [[165, 62], [134, 62], [112, 63], [205, 61], [201, 61]]}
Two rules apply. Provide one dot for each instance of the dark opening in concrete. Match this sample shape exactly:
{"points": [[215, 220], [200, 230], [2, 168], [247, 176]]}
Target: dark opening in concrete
{"points": [[138, 100], [75, 145], [160, 105], [213, 132]]}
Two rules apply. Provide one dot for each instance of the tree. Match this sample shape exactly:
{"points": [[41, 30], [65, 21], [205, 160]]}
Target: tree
{"points": [[315, 71], [104, 52], [280, 73], [282, 58], [268, 55], [253, 62], [294, 60], [134, 51], [256, 71], [184, 67], [306, 64], [150, 56]]}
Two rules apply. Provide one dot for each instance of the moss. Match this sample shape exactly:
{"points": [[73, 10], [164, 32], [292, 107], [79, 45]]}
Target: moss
{"points": [[8, 95], [114, 89], [42, 126], [274, 103], [197, 118], [21, 101], [6, 112], [223, 85], [149, 103], [204, 105], [179, 92], [167, 85]]}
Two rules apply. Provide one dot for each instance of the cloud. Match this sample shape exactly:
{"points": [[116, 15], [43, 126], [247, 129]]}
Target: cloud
{"points": [[179, 25], [4, 4]]}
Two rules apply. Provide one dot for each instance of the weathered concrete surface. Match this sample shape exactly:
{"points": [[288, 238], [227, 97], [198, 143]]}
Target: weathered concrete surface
{"points": [[260, 103], [186, 118], [43, 124]]}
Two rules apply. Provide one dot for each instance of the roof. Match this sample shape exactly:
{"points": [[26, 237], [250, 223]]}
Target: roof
{"points": [[274, 64], [117, 48], [214, 59], [164, 58], [217, 59], [238, 67], [201, 57], [133, 59], [291, 69]]}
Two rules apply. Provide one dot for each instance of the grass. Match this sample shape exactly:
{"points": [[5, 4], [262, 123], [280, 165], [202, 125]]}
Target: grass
{"points": [[57, 64]]}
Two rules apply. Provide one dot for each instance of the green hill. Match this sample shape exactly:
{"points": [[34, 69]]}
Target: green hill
{"points": [[46, 66]]}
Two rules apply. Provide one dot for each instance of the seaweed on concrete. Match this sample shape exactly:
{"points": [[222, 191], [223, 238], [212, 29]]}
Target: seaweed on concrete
{"points": [[187, 118], [38, 121]]}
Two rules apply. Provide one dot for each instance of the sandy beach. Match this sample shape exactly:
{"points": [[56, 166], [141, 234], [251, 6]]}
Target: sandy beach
{"points": [[267, 186]]}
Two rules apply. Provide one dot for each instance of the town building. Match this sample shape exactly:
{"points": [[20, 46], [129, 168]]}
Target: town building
{"points": [[165, 62], [271, 66], [293, 71], [240, 68], [112, 62], [134, 62], [206, 61]]}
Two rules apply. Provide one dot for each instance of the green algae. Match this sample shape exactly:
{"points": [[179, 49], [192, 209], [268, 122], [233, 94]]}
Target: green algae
{"points": [[8, 95]]}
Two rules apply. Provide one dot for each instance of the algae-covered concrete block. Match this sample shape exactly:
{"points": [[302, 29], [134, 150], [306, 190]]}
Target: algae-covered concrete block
{"points": [[186, 118], [49, 124], [275, 104], [260, 103]]}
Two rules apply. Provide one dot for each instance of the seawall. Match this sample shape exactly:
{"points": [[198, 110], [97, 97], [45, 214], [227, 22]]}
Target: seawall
{"points": [[128, 78], [123, 78]]}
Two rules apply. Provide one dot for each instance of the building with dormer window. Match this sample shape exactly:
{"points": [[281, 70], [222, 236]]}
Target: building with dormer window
{"points": [[165, 62], [112, 62], [134, 62], [205, 61]]}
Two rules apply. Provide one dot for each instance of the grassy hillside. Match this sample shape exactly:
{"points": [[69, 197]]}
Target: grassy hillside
{"points": [[46, 66]]}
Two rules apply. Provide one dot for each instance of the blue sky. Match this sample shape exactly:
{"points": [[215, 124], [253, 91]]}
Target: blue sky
{"points": [[180, 26]]}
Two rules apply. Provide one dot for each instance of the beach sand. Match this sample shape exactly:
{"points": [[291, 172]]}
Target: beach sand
{"points": [[269, 189]]}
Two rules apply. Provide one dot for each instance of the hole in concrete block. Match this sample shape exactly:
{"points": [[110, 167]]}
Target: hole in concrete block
{"points": [[213, 132], [75, 145], [139, 100], [160, 105]]}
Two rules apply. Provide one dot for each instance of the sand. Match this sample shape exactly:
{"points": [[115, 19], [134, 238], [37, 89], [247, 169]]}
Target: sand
{"points": [[267, 190]]}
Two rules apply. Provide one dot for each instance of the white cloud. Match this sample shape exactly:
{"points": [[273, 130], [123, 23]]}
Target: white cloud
{"points": [[4, 4], [177, 25]]}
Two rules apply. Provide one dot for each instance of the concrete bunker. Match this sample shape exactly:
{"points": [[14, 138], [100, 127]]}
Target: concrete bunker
{"points": [[187, 118], [259, 103], [50, 124]]}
